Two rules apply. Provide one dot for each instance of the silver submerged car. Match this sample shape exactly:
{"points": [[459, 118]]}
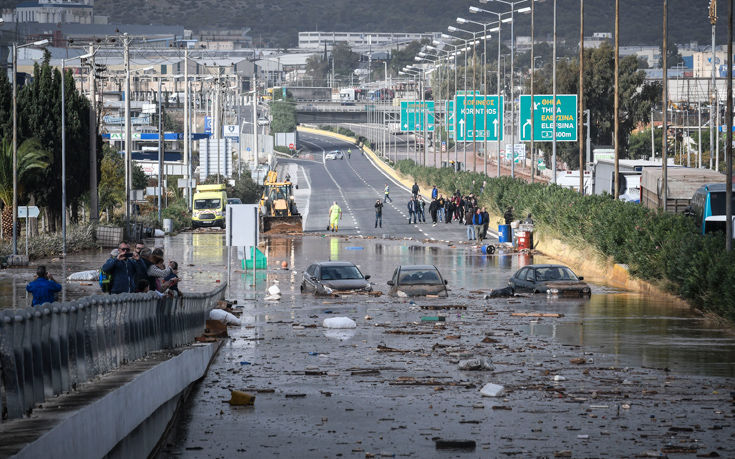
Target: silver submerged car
{"points": [[417, 280], [329, 277]]}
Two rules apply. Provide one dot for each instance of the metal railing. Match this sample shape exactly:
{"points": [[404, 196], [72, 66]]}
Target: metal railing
{"points": [[50, 349]]}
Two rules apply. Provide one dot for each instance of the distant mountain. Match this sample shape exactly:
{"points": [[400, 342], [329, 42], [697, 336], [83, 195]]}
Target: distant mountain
{"points": [[277, 22]]}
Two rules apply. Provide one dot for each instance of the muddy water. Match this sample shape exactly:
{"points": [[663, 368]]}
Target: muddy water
{"points": [[635, 330]]}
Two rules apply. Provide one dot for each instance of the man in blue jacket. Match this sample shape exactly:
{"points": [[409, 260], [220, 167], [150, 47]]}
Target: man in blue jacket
{"points": [[43, 287], [125, 269]]}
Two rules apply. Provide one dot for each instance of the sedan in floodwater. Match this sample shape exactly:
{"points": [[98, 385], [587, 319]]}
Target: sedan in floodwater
{"points": [[554, 280], [328, 277], [417, 280]]}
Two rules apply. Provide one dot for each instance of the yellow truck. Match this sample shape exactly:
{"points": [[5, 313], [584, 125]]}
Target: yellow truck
{"points": [[209, 206]]}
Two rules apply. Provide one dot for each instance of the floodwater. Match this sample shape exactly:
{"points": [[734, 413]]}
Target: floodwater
{"points": [[635, 330]]}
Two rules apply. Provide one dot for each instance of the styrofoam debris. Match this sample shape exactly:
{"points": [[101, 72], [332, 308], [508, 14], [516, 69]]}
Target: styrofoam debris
{"points": [[339, 322], [475, 364], [492, 390]]}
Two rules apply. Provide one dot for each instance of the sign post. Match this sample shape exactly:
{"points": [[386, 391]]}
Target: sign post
{"points": [[28, 212], [244, 217], [544, 118], [470, 116]]}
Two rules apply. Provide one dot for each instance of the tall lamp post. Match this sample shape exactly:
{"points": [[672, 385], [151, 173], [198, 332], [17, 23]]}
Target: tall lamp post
{"points": [[16, 47], [63, 147], [513, 10]]}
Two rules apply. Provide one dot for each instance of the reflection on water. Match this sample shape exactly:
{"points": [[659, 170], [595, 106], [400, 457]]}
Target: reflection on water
{"points": [[637, 330]]}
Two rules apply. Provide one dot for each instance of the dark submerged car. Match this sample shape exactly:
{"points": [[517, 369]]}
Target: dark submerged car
{"points": [[417, 280], [554, 280], [334, 276]]}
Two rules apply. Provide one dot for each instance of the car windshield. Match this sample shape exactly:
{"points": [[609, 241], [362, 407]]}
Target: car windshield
{"points": [[419, 276], [234, 201], [555, 273], [340, 273], [201, 204]]}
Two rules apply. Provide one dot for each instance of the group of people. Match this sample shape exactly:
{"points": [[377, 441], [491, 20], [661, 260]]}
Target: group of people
{"points": [[141, 270]]}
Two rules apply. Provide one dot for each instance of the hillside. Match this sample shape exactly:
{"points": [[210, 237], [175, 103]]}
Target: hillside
{"points": [[277, 22]]}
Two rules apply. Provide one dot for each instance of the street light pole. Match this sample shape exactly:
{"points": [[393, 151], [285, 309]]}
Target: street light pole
{"points": [[581, 98], [63, 159], [553, 77], [15, 149], [665, 109], [616, 109]]}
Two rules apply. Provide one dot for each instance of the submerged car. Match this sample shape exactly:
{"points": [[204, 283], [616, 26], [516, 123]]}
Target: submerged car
{"points": [[554, 280], [334, 154], [329, 277], [417, 280]]}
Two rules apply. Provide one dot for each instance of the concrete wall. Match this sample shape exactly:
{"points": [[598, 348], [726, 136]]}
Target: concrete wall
{"points": [[101, 427]]}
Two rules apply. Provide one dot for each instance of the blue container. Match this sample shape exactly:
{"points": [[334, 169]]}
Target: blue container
{"points": [[504, 234]]}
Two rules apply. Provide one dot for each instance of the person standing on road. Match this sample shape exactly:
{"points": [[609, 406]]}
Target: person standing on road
{"points": [[349, 153], [412, 211], [440, 207], [448, 211], [378, 213], [43, 288], [477, 223], [434, 193], [420, 205], [125, 270], [335, 215], [485, 222], [470, 229], [415, 190], [433, 208], [386, 194]]}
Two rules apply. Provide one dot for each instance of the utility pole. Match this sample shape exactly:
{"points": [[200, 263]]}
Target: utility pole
{"points": [[160, 148], [553, 77], [218, 123], [728, 124], [512, 95], [665, 111], [533, 72], [616, 113], [93, 198], [15, 149], [713, 91], [581, 97], [255, 118], [187, 125], [128, 135]]}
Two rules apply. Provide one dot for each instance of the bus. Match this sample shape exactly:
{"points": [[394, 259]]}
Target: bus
{"points": [[708, 207]]}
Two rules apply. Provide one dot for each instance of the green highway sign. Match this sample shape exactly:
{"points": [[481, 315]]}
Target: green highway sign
{"points": [[470, 116], [413, 114], [543, 118]]}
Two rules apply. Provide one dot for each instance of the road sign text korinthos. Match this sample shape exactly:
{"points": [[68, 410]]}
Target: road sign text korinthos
{"points": [[471, 115]]}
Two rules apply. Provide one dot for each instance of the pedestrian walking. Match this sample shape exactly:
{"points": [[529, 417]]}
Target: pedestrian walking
{"points": [[415, 190], [125, 270], [448, 211], [378, 213], [412, 210], [335, 215], [386, 194], [420, 205], [43, 288], [434, 193]]}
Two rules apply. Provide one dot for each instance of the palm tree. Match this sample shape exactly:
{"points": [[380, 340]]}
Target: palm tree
{"points": [[31, 159]]}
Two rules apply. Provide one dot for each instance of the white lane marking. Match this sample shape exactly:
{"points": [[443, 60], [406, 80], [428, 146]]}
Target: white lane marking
{"points": [[339, 188], [305, 212]]}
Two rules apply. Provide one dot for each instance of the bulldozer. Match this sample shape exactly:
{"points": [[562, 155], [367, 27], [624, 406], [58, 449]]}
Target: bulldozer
{"points": [[278, 212]]}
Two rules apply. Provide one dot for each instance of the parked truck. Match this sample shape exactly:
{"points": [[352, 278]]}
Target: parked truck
{"points": [[683, 182]]}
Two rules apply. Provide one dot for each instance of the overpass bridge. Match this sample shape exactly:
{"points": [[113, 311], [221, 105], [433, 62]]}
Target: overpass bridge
{"points": [[357, 112]]}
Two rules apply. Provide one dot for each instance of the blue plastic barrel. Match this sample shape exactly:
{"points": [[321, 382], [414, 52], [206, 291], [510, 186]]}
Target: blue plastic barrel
{"points": [[504, 233]]}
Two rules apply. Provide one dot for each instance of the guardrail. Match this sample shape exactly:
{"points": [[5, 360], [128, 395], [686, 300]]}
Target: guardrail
{"points": [[50, 349]]}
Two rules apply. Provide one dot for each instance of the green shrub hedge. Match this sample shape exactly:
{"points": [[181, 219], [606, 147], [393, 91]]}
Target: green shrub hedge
{"points": [[661, 248]]}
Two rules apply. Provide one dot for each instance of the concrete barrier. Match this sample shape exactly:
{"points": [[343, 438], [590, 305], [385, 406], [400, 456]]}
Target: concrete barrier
{"points": [[50, 349]]}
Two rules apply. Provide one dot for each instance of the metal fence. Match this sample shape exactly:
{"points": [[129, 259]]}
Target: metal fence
{"points": [[47, 350]]}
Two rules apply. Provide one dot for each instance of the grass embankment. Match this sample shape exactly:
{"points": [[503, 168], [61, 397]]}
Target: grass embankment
{"points": [[663, 249]]}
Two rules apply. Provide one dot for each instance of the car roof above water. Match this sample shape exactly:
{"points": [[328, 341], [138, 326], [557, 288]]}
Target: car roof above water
{"points": [[416, 267], [545, 266], [335, 263]]}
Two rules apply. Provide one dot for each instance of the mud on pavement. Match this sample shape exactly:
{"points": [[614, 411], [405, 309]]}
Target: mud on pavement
{"points": [[392, 387]]}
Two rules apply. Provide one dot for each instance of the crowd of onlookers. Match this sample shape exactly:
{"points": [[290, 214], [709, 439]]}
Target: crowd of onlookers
{"points": [[141, 270]]}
